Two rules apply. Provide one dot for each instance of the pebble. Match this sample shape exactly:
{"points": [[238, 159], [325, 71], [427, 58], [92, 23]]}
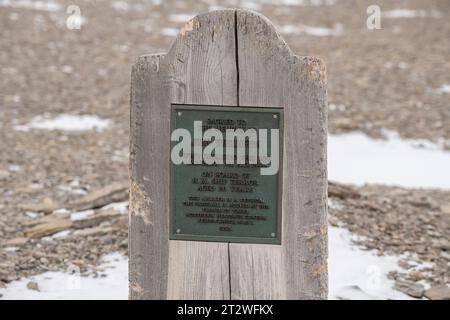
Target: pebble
{"points": [[441, 292], [410, 288], [33, 286]]}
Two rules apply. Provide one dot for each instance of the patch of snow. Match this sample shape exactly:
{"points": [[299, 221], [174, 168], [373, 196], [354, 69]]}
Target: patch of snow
{"points": [[120, 155], [58, 235], [252, 5], [358, 274], [445, 88], [81, 215], [120, 207], [407, 13], [215, 7], [72, 286], [181, 17], [416, 143], [14, 168], [48, 5], [11, 249], [292, 3], [120, 5], [257, 4], [62, 234], [312, 31], [334, 205], [74, 188], [169, 32], [353, 274], [61, 211], [357, 159], [66, 122], [124, 6], [32, 215], [334, 107]]}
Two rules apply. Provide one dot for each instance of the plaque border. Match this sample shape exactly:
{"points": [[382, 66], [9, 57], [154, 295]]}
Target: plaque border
{"points": [[174, 107]]}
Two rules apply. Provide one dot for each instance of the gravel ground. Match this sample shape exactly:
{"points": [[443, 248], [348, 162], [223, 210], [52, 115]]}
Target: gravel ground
{"points": [[394, 78], [411, 223]]}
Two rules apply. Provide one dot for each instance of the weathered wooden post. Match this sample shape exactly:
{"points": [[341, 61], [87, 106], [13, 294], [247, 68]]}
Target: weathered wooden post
{"points": [[224, 231]]}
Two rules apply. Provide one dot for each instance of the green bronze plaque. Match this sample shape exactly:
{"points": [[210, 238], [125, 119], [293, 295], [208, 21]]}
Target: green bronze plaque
{"points": [[227, 191]]}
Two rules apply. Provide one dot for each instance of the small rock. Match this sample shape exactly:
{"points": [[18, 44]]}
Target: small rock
{"points": [[404, 264], [441, 292], [345, 124], [410, 288], [78, 262], [33, 286], [332, 220], [2, 284]]}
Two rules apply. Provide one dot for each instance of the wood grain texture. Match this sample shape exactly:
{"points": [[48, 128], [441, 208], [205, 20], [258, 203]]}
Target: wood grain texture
{"points": [[229, 57], [272, 76], [149, 165], [200, 68]]}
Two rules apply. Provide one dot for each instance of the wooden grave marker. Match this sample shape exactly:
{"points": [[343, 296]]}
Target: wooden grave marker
{"points": [[222, 66]]}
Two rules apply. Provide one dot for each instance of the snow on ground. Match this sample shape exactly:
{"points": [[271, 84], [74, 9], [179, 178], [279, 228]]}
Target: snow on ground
{"points": [[408, 13], [257, 4], [47, 5], [66, 122], [445, 88], [357, 159], [313, 3], [312, 31], [356, 274], [281, 3], [170, 32], [80, 215], [181, 17], [121, 207], [120, 5], [353, 274], [112, 283]]}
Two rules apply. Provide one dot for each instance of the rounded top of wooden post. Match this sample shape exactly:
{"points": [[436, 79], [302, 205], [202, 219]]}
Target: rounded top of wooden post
{"points": [[251, 31], [246, 21]]}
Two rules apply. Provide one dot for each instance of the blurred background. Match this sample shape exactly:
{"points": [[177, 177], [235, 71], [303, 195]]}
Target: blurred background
{"points": [[64, 132]]}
